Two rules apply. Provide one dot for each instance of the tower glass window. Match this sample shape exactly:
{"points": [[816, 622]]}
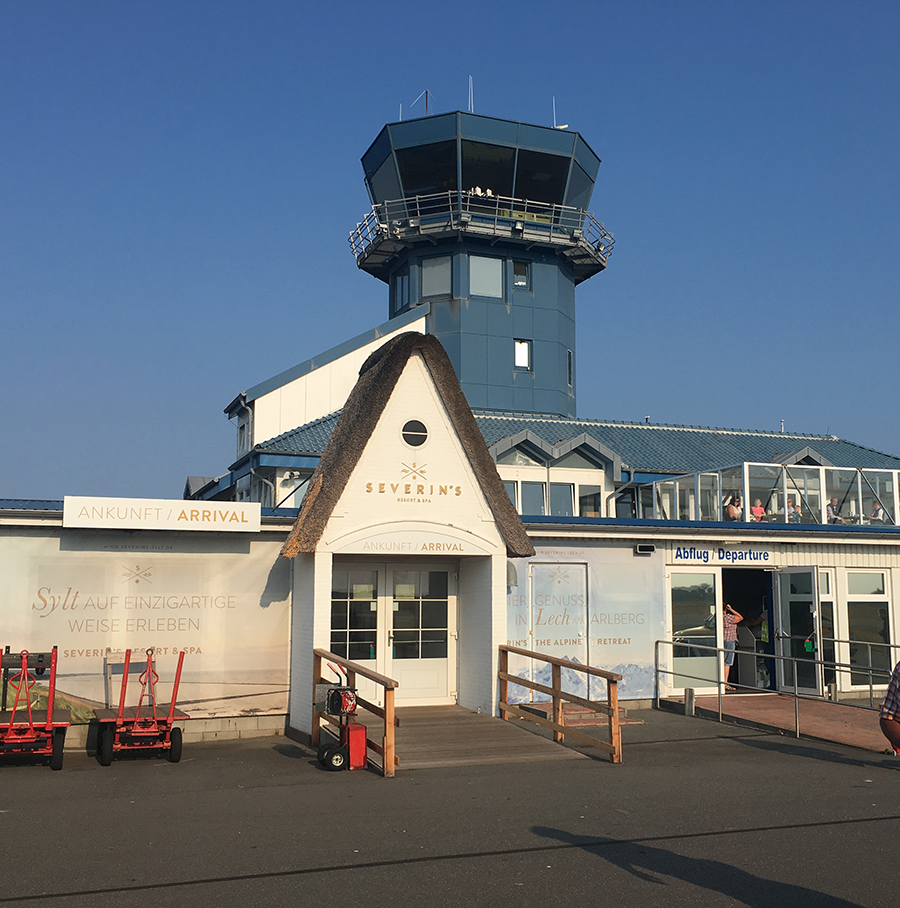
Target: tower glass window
{"points": [[541, 177], [489, 167], [401, 289], [436, 276], [520, 276], [522, 350], [485, 276], [427, 169]]}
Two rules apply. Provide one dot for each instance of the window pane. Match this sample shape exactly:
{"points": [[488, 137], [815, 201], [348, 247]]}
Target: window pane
{"points": [[510, 487], [406, 584], [533, 498], [589, 502], [764, 493], [522, 354], [561, 499], [694, 626], [339, 645], [406, 644], [362, 615], [878, 497], [709, 496], [541, 177], [489, 167], [732, 494], [436, 276], [580, 188], [434, 644], [384, 182], [339, 585], [868, 622], [434, 585], [865, 584], [434, 614], [626, 504], [685, 493], [665, 503], [804, 495], [362, 584], [362, 645], [842, 494], [426, 169], [338, 615], [406, 614], [485, 276], [520, 275]]}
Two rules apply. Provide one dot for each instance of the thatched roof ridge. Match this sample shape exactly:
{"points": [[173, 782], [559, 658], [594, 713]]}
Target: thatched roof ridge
{"points": [[377, 379]]}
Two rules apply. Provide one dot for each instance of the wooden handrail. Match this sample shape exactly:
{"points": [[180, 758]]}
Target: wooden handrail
{"points": [[385, 749], [383, 680], [566, 663], [558, 696]]}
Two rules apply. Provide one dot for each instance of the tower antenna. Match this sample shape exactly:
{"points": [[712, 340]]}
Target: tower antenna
{"points": [[471, 96], [427, 94]]}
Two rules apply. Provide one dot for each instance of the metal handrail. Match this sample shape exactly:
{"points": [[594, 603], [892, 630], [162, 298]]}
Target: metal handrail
{"points": [[720, 683], [492, 214]]}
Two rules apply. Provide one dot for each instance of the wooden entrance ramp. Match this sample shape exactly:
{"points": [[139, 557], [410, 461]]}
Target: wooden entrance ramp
{"points": [[440, 736]]}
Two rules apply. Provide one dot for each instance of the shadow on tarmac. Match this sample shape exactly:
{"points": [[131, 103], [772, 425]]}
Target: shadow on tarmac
{"points": [[790, 749], [649, 864]]}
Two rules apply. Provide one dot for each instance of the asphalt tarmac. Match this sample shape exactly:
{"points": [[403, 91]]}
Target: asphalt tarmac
{"points": [[699, 814]]}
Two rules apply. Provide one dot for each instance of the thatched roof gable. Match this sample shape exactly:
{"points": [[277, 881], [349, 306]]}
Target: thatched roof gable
{"points": [[377, 379]]}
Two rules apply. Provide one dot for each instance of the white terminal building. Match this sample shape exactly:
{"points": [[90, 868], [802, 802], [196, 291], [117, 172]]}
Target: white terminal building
{"points": [[428, 493]]}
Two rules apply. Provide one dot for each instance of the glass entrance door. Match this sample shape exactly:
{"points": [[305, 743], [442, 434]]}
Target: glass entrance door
{"points": [[797, 630], [421, 638], [400, 621]]}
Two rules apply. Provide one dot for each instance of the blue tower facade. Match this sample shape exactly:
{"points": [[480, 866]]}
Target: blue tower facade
{"points": [[486, 222]]}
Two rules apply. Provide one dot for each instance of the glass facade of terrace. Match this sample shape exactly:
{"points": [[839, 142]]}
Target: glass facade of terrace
{"points": [[773, 493]]}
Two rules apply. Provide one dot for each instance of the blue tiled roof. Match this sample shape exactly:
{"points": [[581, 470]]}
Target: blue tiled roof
{"points": [[309, 439], [642, 447], [683, 449]]}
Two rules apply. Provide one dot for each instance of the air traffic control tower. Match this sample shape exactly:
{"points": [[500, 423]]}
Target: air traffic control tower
{"points": [[485, 221]]}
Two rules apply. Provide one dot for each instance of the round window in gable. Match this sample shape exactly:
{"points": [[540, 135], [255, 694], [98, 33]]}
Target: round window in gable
{"points": [[414, 433]]}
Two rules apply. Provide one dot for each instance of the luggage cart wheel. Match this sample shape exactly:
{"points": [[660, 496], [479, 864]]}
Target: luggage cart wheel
{"points": [[105, 741], [323, 750], [175, 742], [336, 758], [59, 745]]}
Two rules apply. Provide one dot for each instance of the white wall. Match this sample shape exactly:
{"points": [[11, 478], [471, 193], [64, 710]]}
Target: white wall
{"points": [[319, 392], [482, 628], [310, 629]]}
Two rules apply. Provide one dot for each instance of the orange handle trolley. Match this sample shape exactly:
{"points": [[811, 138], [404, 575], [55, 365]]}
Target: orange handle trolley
{"points": [[25, 730], [149, 726]]}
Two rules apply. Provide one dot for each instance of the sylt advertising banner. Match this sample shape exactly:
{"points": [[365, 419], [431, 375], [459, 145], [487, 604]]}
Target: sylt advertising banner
{"points": [[222, 600]]}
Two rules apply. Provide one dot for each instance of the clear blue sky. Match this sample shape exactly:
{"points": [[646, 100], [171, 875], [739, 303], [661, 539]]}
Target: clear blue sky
{"points": [[177, 182]]}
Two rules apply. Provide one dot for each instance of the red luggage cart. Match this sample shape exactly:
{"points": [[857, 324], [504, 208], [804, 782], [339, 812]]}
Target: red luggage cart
{"points": [[149, 726], [24, 730]]}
